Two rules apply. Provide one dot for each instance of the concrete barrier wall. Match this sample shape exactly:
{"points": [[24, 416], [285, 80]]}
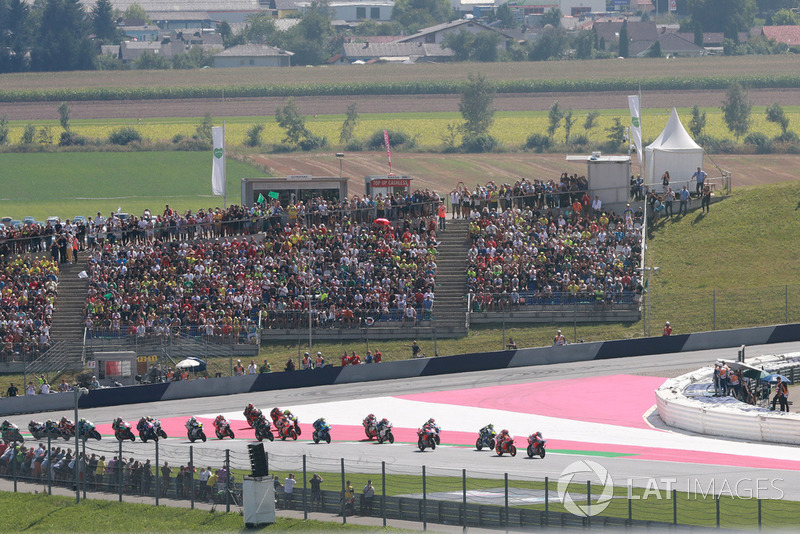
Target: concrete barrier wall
{"points": [[726, 416], [37, 404], [410, 368]]}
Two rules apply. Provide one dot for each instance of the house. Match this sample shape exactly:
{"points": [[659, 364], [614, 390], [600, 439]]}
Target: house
{"points": [[144, 32], [713, 39], [574, 8], [415, 52], [671, 45], [788, 35], [436, 34], [285, 8], [355, 10], [130, 51], [182, 20], [641, 35], [253, 55]]}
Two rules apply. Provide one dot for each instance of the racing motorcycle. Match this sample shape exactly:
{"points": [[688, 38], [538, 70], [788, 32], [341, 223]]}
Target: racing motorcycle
{"points": [[286, 429], [10, 433], [485, 439], [536, 445], [48, 429], [370, 426], [277, 415], [194, 430], [150, 428], [385, 431], [122, 430], [322, 431], [506, 445], [263, 429], [66, 428], [87, 430], [251, 413], [426, 438], [223, 428]]}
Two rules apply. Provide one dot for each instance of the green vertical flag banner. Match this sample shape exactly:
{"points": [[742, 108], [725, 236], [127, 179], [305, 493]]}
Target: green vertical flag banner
{"points": [[260, 198], [273, 194]]}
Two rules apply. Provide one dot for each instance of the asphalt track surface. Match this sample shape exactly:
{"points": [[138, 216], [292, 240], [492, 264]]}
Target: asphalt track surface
{"points": [[726, 466]]}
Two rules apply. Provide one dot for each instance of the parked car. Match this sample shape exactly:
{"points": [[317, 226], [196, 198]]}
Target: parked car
{"points": [[79, 219], [16, 223], [6, 220], [52, 220], [29, 220]]}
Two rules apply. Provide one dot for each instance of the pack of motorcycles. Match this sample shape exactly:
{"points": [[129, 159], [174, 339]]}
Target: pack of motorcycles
{"points": [[286, 427]]}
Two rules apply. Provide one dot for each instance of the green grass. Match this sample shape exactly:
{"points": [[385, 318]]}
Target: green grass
{"points": [[23, 512], [81, 183]]}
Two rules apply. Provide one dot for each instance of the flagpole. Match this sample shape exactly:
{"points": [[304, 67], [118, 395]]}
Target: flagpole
{"points": [[225, 161]]}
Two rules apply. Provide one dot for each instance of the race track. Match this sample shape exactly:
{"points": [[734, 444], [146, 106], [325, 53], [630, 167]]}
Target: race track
{"points": [[599, 411]]}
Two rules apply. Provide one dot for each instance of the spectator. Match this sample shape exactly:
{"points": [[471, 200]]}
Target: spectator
{"points": [[45, 388], [266, 368], [377, 357], [511, 345], [30, 390], [289, 365], [348, 499], [276, 482], [288, 490], [669, 198], [705, 202], [316, 493], [781, 395], [63, 386], [252, 368], [416, 351], [685, 197], [12, 390], [238, 369], [700, 177], [166, 470], [203, 483], [320, 361], [367, 495], [442, 212], [147, 477], [211, 484], [559, 340], [667, 329]]}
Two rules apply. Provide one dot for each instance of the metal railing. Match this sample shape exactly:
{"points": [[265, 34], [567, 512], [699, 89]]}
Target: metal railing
{"points": [[418, 493]]}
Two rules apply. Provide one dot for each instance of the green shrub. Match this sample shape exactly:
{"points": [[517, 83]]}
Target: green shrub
{"points": [[478, 143], [579, 140], [124, 136], [312, 142], [396, 139], [28, 134], [69, 138], [760, 141], [253, 135], [538, 142], [788, 137], [354, 145]]}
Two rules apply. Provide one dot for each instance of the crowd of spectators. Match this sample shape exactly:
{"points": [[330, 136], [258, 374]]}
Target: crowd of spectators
{"points": [[136, 477], [534, 194], [28, 289], [218, 286], [542, 255]]}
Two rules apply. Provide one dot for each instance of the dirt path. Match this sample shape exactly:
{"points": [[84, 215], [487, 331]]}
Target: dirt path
{"points": [[260, 107]]}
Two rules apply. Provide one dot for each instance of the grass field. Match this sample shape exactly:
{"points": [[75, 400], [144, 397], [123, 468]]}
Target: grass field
{"points": [[510, 128], [81, 183], [23, 512], [631, 69]]}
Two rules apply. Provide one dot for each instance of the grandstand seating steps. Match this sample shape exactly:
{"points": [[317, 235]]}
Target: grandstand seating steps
{"points": [[68, 322]]}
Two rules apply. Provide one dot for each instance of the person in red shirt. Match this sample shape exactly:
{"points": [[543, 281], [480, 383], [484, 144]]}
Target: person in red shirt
{"points": [[377, 357], [667, 329]]}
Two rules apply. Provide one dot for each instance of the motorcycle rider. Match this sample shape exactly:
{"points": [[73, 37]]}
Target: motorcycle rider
{"points": [[319, 424], [276, 414], [488, 430], [117, 424], [65, 426], [251, 413], [370, 423], [220, 422], [503, 438], [191, 423]]}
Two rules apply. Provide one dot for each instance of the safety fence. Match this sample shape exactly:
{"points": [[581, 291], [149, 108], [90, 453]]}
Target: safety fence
{"points": [[430, 495]]}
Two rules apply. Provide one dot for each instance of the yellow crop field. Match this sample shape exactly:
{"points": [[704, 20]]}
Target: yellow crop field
{"points": [[510, 129]]}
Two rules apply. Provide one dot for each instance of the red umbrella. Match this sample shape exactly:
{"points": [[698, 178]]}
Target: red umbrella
{"points": [[384, 222]]}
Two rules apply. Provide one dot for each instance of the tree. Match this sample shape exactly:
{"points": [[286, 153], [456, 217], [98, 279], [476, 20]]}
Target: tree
{"points": [[698, 122], [484, 46], [551, 44], [654, 50], [64, 112], [591, 117], [253, 136], [135, 11], [506, 16], [785, 17], [722, 15], [698, 34], [151, 61], [552, 17], [623, 39], [584, 44], [616, 133], [569, 121], [203, 130], [194, 58], [776, 115], [312, 39], [736, 110], [349, 125], [16, 31], [4, 130], [103, 24], [416, 14], [290, 119], [63, 38], [460, 43], [260, 29], [554, 117], [477, 104], [28, 133]]}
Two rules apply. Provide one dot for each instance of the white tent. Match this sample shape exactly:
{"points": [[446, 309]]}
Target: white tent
{"points": [[674, 151]]}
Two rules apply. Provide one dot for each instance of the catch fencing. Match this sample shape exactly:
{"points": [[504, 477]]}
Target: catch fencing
{"points": [[428, 495]]}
